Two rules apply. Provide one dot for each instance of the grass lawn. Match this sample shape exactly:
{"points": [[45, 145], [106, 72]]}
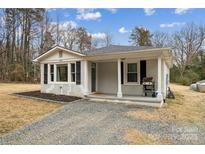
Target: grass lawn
{"points": [[188, 107], [16, 111]]}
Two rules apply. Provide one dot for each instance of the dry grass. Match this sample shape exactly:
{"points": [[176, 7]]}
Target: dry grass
{"points": [[16, 112], [135, 136], [189, 106]]}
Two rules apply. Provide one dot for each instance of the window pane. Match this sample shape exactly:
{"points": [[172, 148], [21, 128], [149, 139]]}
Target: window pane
{"points": [[52, 77], [73, 77], [132, 67], [73, 67], [51, 72], [52, 68], [132, 77], [62, 72]]}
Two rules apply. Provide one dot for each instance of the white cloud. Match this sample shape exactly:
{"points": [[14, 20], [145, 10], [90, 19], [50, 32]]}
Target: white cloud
{"points": [[181, 11], [123, 30], [88, 14], [171, 25], [149, 11], [112, 10], [50, 9], [64, 25], [98, 36], [72, 23]]}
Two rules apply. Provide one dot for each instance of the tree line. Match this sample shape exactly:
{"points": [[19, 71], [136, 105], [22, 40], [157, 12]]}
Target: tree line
{"points": [[26, 33], [187, 46]]}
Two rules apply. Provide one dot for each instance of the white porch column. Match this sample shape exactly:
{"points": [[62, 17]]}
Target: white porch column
{"points": [[119, 87], [159, 76], [55, 73], [49, 75], [86, 90]]}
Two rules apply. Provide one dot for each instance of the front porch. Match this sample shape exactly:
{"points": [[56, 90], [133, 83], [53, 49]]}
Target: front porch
{"points": [[119, 79], [128, 99]]}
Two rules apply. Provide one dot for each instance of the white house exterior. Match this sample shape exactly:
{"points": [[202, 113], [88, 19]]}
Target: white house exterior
{"points": [[113, 71]]}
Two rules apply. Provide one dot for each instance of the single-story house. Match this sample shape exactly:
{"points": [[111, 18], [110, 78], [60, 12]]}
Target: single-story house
{"points": [[115, 72]]}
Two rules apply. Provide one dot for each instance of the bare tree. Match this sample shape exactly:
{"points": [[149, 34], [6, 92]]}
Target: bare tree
{"points": [[83, 39], [186, 45], [69, 36], [104, 41], [47, 31], [108, 39], [19, 36], [160, 39]]}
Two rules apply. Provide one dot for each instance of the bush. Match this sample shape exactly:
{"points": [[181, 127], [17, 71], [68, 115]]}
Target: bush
{"points": [[190, 76], [18, 73], [184, 81]]}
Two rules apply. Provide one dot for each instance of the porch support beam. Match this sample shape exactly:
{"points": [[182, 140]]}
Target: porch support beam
{"points": [[55, 72], [159, 77], [86, 90], [119, 87]]}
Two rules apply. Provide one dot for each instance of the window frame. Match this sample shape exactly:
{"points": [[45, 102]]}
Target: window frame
{"points": [[131, 61], [73, 72], [57, 73], [52, 73]]}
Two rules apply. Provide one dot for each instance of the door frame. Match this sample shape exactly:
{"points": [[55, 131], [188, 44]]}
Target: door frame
{"points": [[93, 91]]}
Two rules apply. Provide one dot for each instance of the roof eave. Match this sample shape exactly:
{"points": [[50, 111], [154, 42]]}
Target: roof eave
{"points": [[54, 48], [130, 52]]}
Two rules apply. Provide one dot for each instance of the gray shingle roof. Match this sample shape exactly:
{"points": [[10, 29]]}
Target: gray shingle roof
{"points": [[116, 49]]}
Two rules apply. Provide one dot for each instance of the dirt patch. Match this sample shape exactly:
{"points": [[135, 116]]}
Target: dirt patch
{"points": [[16, 112], [135, 136], [53, 97]]}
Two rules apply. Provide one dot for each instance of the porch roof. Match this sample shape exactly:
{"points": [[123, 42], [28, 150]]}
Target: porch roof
{"points": [[113, 49], [119, 51]]}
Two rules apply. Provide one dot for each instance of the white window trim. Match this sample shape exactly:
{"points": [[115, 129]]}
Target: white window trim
{"points": [[49, 71], [72, 72], [55, 78], [126, 62]]}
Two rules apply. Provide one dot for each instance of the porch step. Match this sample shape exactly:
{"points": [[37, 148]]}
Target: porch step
{"points": [[143, 101]]}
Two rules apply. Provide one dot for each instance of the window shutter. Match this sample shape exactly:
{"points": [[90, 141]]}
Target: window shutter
{"points": [[122, 73], [143, 70], [45, 73], [78, 72]]}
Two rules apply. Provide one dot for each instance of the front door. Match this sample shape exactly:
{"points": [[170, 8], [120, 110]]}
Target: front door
{"points": [[93, 77]]}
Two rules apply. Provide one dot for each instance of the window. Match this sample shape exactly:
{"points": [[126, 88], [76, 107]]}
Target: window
{"points": [[132, 72], [52, 72], [72, 72], [62, 72]]}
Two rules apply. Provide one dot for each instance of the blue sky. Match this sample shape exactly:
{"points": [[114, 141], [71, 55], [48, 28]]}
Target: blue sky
{"points": [[119, 22]]}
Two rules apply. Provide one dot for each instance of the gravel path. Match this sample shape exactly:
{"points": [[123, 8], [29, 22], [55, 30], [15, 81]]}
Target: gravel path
{"points": [[85, 122]]}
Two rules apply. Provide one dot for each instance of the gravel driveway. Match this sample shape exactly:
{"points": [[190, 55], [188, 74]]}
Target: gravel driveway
{"points": [[85, 122]]}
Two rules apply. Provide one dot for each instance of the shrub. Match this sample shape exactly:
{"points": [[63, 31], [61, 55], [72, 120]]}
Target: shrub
{"points": [[18, 73], [184, 81]]}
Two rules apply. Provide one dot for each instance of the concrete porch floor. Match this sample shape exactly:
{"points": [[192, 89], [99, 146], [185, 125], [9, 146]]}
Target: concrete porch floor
{"points": [[128, 99]]}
